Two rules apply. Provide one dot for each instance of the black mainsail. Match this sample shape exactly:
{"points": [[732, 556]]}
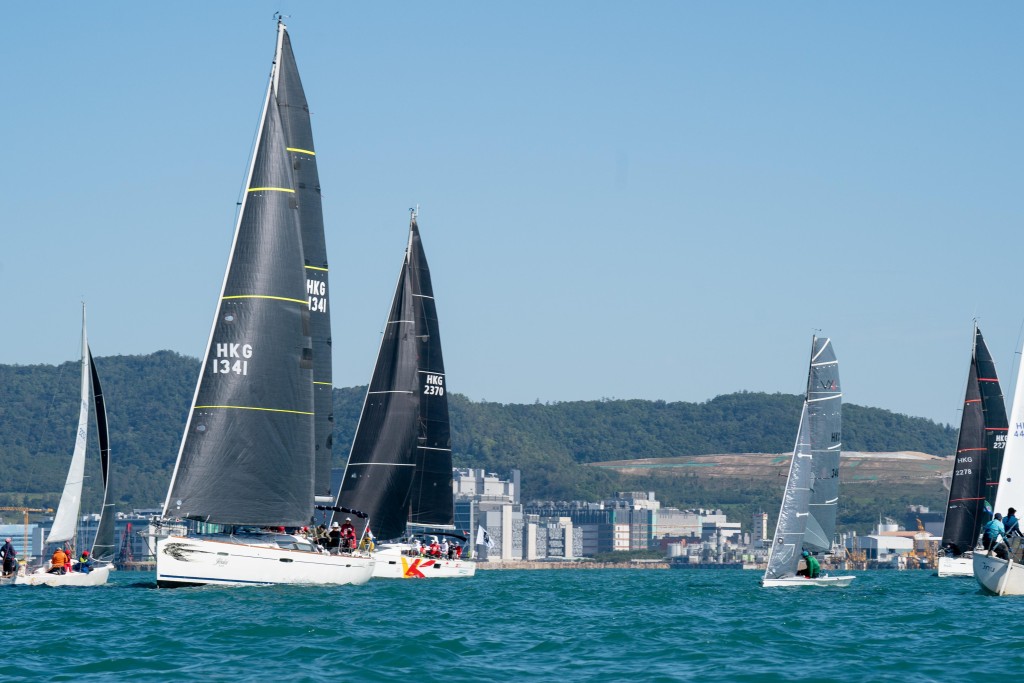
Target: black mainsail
{"points": [[807, 516], [247, 455], [400, 467], [103, 544], [298, 137], [979, 453]]}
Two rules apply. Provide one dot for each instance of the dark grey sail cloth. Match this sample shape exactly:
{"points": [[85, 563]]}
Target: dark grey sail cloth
{"points": [[103, 545], [400, 467], [431, 500], [298, 136], [247, 453], [978, 449], [824, 409], [807, 515]]}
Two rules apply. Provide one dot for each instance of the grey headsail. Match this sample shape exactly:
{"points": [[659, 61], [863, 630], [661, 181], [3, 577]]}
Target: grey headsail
{"points": [[399, 469], [976, 469], [812, 484], [247, 453], [103, 545], [298, 137]]}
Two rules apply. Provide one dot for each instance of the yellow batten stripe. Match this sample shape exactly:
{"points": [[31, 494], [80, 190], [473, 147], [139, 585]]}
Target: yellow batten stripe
{"points": [[269, 410], [301, 151], [316, 268], [326, 384], [271, 189], [267, 296]]}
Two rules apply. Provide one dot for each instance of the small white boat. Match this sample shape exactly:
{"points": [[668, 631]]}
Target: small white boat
{"points": [[798, 581], [65, 520], [997, 575], [403, 561], [42, 577]]}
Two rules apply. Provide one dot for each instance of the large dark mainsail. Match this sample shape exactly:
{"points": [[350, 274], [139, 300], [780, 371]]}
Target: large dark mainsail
{"points": [[978, 452], [247, 453], [103, 544], [808, 512], [298, 137], [400, 467]]}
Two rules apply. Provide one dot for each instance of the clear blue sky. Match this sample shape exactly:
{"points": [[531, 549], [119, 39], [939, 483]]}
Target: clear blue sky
{"points": [[657, 200]]}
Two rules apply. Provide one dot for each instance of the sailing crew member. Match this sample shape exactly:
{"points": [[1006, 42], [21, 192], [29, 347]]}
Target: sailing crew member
{"points": [[1011, 523], [58, 561], [85, 562], [993, 529], [348, 535], [8, 552], [334, 538], [813, 568]]}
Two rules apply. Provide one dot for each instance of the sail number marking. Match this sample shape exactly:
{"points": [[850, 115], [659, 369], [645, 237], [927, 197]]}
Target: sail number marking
{"points": [[231, 358], [317, 292], [433, 385]]}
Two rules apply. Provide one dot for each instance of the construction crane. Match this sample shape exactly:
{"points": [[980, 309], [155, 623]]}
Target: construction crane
{"points": [[24, 547]]}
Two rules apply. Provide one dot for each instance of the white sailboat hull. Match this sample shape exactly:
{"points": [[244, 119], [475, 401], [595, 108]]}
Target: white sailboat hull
{"points": [[228, 561], [393, 562], [41, 577], [956, 566], [997, 575], [798, 581]]}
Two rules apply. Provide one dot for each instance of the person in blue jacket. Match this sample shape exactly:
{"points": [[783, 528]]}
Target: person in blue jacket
{"points": [[991, 533]]}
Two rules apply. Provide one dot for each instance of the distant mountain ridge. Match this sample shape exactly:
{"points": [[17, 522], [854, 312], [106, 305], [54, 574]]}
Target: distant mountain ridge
{"points": [[148, 398]]}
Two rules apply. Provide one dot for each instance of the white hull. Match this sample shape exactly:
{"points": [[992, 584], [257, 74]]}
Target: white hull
{"points": [[394, 563], [794, 581], [41, 577], [956, 566], [239, 561], [997, 575]]}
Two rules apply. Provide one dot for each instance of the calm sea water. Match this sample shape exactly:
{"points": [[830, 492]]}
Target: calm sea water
{"points": [[516, 625]]}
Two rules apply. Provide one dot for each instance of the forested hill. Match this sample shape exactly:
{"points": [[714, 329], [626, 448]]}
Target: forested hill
{"points": [[148, 398]]}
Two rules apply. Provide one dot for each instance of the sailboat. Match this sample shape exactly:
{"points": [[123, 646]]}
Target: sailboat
{"points": [[399, 469], [807, 518], [246, 476], [996, 575], [65, 521], [979, 455]]}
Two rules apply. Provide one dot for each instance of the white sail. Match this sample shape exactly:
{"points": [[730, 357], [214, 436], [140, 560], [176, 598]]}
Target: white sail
{"points": [[65, 521], [1011, 476]]}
